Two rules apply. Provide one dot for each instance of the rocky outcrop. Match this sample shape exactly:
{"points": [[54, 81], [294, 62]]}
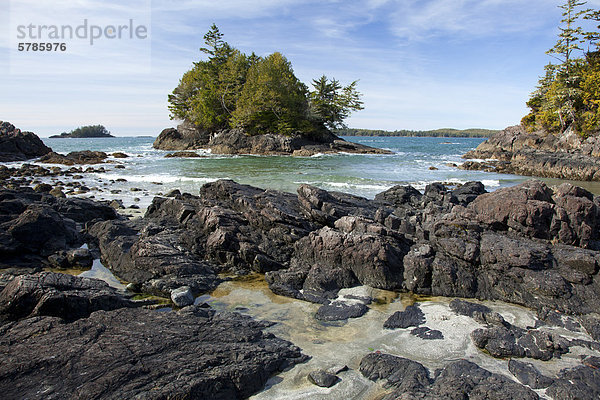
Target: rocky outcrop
{"points": [[516, 151], [137, 353], [236, 141], [458, 380], [16, 145], [36, 225], [74, 157]]}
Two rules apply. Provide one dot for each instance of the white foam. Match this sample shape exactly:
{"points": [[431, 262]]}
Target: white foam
{"points": [[154, 178]]}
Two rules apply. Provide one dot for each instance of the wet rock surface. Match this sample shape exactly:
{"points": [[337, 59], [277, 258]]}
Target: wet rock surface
{"points": [[75, 157], [411, 316], [130, 353]]}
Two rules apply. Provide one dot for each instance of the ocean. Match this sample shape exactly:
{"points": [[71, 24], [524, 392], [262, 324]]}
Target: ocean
{"points": [[415, 161]]}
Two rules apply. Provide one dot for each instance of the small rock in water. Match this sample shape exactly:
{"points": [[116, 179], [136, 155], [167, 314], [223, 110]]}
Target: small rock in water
{"points": [[426, 333], [119, 166], [411, 316], [322, 378], [43, 188], [339, 312], [117, 204], [182, 296]]}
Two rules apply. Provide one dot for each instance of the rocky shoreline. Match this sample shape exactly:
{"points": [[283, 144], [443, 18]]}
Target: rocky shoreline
{"points": [[529, 245], [66, 336], [235, 141], [516, 151]]}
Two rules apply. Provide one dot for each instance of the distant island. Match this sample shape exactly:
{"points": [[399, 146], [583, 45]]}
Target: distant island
{"points": [[444, 132], [89, 131]]}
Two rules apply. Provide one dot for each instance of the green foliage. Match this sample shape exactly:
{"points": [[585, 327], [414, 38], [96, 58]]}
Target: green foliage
{"points": [[272, 99], [257, 94], [568, 94], [331, 104], [88, 131], [445, 132]]}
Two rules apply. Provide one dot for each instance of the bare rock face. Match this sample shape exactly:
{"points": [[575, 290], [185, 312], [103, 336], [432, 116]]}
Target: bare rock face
{"points": [[137, 353], [16, 145], [457, 380], [566, 156], [58, 295], [236, 141]]}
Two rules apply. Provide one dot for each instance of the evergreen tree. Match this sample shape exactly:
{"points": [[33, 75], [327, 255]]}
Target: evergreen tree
{"points": [[330, 103]]}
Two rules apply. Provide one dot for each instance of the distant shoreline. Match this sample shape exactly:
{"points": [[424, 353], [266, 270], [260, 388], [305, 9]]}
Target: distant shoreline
{"points": [[444, 132]]}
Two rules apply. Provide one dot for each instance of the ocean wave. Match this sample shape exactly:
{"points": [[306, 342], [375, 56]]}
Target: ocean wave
{"points": [[154, 178]]}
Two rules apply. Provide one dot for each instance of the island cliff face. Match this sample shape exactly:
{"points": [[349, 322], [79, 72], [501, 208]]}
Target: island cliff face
{"points": [[236, 141], [516, 151]]}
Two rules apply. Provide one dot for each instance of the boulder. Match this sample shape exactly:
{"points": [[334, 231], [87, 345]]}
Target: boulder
{"points": [[75, 157], [16, 145], [182, 296], [322, 378], [411, 316], [528, 375]]}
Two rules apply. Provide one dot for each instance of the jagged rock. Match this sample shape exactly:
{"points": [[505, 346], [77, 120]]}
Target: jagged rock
{"points": [[322, 378], [19, 146], [58, 295], [528, 375], [137, 353], [426, 333], [183, 154], [411, 316]]}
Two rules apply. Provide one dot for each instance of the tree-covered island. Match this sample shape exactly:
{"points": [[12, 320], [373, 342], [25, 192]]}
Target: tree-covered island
{"points": [[232, 102], [88, 131]]}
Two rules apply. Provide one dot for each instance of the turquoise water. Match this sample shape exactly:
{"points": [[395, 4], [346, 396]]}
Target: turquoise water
{"points": [[364, 175]]}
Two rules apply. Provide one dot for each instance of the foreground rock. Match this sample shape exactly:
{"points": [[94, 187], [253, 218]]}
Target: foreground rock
{"points": [[235, 141], [516, 151], [131, 353], [58, 295], [16, 145]]}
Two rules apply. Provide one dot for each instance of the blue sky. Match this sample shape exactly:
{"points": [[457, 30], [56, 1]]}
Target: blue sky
{"points": [[422, 64]]}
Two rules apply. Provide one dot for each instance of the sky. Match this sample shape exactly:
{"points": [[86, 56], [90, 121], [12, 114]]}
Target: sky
{"points": [[421, 64]]}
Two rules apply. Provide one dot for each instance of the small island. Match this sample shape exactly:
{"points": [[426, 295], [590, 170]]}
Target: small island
{"points": [[88, 131], [234, 103]]}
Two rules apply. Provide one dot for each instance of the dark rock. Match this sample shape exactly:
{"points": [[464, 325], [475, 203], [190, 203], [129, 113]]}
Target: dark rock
{"points": [[501, 341], [403, 374], [236, 141], [467, 308], [43, 188], [426, 333], [411, 316], [58, 295], [581, 382], [528, 375], [56, 192], [137, 353], [464, 379], [468, 192], [183, 154], [75, 157], [400, 195], [339, 312], [19, 146], [322, 378], [119, 155]]}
